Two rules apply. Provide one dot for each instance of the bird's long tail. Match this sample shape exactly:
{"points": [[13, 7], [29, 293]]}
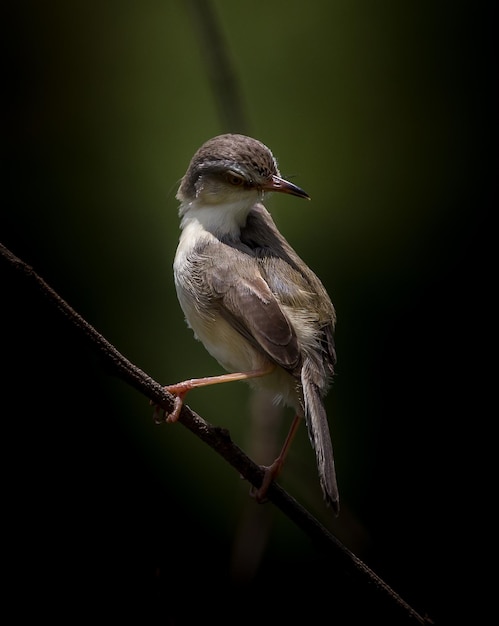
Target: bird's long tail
{"points": [[320, 438]]}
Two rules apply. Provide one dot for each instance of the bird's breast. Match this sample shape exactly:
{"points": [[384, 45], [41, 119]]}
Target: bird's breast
{"points": [[201, 306]]}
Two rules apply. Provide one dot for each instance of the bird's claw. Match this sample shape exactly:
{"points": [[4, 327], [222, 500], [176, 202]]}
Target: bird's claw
{"points": [[260, 493], [160, 415]]}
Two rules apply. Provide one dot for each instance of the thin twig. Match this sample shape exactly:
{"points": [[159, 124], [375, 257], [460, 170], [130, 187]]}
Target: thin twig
{"points": [[217, 438]]}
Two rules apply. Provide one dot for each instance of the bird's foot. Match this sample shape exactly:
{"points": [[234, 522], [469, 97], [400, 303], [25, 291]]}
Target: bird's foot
{"points": [[271, 472], [179, 390]]}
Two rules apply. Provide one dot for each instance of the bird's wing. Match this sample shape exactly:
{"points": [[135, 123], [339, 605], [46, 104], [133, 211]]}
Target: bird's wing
{"points": [[247, 303]]}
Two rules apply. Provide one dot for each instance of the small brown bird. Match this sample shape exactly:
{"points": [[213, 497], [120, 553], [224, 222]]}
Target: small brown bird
{"points": [[249, 298]]}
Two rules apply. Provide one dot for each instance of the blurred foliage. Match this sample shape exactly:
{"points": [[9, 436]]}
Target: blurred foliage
{"points": [[385, 114]]}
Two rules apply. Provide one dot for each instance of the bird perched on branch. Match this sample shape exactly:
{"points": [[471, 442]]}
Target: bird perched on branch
{"points": [[258, 309]]}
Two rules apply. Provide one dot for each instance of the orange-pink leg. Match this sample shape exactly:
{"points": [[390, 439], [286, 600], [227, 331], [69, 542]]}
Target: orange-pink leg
{"points": [[180, 390], [273, 470]]}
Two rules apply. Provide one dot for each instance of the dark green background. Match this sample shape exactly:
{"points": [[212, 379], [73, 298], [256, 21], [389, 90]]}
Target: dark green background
{"points": [[384, 112]]}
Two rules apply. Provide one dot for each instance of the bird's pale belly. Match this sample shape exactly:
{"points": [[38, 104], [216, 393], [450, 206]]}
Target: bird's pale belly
{"points": [[235, 353]]}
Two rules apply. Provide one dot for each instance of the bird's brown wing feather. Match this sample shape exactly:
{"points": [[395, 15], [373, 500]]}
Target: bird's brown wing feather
{"points": [[247, 303]]}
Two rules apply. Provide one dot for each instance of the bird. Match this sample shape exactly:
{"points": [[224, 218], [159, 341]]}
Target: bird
{"points": [[254, 304]]}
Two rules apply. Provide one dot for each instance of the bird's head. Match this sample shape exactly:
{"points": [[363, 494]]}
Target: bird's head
{"points": [[231, 170]]}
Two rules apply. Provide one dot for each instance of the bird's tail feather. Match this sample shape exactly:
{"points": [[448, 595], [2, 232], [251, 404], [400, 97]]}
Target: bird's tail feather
{"points": [[320, 438]]}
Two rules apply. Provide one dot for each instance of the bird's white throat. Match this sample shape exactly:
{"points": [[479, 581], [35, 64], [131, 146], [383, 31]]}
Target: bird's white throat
{"points": [[224, 219]]}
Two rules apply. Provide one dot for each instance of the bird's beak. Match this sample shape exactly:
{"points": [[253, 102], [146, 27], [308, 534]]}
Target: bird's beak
{"points": [[279, 184]]}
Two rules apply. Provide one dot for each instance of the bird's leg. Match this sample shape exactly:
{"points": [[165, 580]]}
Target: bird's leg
{"points": [[180, 390], [273, 470]]}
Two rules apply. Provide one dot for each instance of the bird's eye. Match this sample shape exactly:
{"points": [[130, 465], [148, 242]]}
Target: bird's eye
{"points": [[235, 179]]}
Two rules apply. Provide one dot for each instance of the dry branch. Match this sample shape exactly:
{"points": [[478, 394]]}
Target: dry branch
{"points": [[342, 559]]}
